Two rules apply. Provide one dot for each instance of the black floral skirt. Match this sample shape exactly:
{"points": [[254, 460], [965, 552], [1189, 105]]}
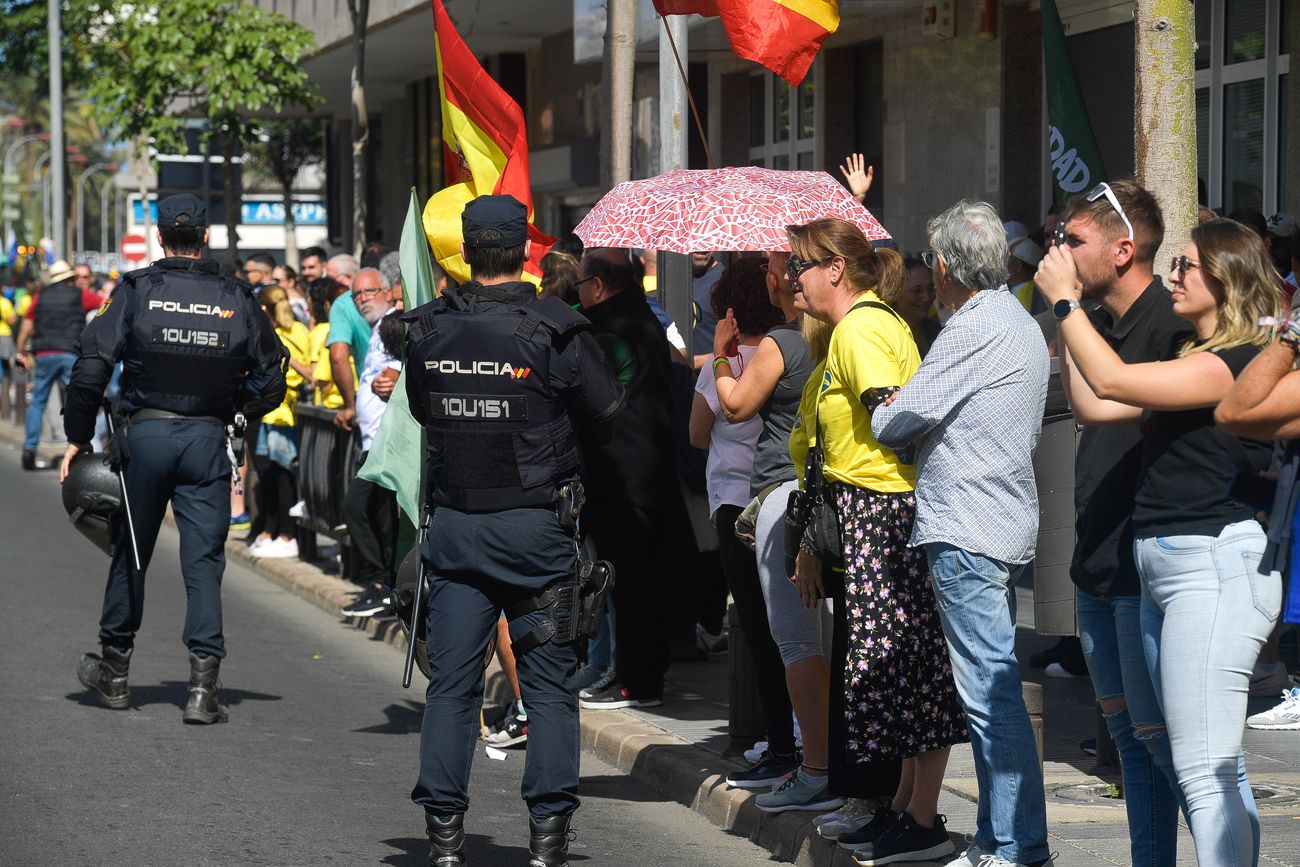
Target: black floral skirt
{"points": [[899, 695]]}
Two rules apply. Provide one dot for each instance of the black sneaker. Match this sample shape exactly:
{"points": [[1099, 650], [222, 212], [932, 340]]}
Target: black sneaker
{"points": [[616, 696], [881, 821], [599, 685], [511, 731], [29, 460], [375, 601], [906, 841], [764, 773]]}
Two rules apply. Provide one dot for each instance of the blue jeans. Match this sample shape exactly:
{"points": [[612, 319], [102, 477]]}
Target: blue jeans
{"points": [[1206, 612], [48, 368], [1111, 634], [977, 604]]}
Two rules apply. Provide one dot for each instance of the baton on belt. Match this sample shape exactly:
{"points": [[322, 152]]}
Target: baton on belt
{"points": [[126, 499], [412, 636]]}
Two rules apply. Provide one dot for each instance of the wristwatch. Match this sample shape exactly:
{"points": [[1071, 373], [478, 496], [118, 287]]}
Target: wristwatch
{"points": [[1065, 307]]}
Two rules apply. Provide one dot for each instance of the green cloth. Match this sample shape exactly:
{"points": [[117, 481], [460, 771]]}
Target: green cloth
{"points": [[396, 456], [347, 325], [1072, 147]]}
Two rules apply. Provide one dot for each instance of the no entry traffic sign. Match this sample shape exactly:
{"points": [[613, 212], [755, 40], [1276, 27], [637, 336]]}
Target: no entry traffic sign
{"points": [[134, 248]]}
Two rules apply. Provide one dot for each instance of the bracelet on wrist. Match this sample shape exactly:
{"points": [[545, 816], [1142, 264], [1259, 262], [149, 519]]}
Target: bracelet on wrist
{"points": [[720, 359]]}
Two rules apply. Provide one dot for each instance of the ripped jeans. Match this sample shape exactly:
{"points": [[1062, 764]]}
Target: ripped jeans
{"points": [[1206, 612], [1111, 634]]}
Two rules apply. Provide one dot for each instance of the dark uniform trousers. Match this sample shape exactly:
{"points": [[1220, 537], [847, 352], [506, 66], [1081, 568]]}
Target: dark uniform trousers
{"points": [[185, 462], [477, 565]]}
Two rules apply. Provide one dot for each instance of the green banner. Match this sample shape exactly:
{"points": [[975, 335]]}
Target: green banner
{"points": [[397, 453], [1071, 146]]}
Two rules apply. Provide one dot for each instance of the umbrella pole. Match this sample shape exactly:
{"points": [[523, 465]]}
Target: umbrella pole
{"points": [[686, 84]]}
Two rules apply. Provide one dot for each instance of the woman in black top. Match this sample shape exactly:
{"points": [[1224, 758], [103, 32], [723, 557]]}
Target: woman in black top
{"points": [[1206, 609]]}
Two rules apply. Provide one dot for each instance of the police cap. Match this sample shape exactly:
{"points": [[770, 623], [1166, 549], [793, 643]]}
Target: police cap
{"points": [[182, 211], [495, 221]]}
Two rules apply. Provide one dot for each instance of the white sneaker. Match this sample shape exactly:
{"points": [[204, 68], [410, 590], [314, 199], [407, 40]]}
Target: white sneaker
{"points": [[258, 546], [279, 549], [753, 755], [974, 856], [298, 509], [1284, 717]]}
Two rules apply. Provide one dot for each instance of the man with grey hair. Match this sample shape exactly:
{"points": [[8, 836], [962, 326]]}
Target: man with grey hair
{"points": [[369, 509], [391, 267], [976, 408]]}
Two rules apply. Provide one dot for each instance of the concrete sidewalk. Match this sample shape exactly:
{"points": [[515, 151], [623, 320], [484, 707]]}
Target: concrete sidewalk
{"points": [[680, 750]]}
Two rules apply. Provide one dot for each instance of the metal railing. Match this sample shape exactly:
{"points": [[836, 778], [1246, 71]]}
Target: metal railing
{"points": [[328, 458]]}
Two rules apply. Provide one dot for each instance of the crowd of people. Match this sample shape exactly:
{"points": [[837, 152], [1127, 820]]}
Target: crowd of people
{"points": [[849, 438]]}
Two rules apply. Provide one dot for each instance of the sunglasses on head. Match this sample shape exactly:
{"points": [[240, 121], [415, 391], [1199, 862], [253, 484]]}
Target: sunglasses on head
{"points": [[794, 266], [1103, 189]]}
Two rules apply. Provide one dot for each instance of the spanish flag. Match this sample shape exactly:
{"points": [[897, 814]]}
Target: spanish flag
{"points": [[485, 149], [783, 35]]}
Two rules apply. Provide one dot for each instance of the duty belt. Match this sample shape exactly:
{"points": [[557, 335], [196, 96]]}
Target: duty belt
{"points": [[157, 414]]}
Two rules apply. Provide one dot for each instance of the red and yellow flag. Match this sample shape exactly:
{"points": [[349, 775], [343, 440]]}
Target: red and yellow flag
{"points": [[783, 35], [485, 149]]}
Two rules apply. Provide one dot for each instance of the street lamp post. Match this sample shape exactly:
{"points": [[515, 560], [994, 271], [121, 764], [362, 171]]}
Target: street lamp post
{"points": [[45, 192], [9, 165], [81, 203], [103, 216]]}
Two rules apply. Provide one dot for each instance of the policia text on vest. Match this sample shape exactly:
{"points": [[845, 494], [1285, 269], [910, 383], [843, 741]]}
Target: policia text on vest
{"points": [[195, 349]]}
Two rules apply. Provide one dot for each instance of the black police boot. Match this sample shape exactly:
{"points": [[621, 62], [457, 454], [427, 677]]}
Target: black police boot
{"points": [[446, 840], [202, 707], [548, 841], [29, 460], [106, 675]]}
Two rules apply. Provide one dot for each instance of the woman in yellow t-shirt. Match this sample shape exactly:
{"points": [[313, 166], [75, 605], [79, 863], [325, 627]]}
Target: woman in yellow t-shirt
{"points": [[892, 695], [326, 393], [277, 439]]}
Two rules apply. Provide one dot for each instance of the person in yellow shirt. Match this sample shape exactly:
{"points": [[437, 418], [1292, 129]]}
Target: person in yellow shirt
{"points": [[326, 392], [8, 319], [892, 693], [277, 440]]}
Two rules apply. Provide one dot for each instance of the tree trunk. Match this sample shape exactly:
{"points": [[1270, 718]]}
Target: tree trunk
{"points": [[616, 85], [230, 196], [360, 11], [1165, 119], [290, 227]]}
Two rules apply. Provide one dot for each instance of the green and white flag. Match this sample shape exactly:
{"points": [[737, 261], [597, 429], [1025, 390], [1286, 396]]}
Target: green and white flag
{"points": [[395, 456], [1075, 157]]}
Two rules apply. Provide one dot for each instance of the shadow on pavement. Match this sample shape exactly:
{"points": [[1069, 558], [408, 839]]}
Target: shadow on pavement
{"points": [[403, 719], [173, 692], [617, 787], [478, 850]]}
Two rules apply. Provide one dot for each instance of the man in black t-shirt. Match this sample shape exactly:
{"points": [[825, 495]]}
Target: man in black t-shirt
{"points": [[1135, 315]]}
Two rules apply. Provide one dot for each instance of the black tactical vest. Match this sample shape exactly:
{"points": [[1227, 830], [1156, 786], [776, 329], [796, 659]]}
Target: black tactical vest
{"points": [[499, 432], [60, 318], [187, 341]]}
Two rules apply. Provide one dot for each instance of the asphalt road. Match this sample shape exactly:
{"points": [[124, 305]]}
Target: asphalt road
{"points": [[314, 767]]}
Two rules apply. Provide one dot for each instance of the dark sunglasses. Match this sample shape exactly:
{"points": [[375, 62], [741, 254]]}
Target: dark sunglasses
{"points": [[1182, 264], [794, 266]]}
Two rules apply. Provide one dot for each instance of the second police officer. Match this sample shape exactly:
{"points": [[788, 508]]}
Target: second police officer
{"points": [[196, 349], [500, 380]]}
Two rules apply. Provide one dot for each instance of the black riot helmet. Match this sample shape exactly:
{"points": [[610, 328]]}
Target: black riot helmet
{"points": [[408, 573], [92, 496]]}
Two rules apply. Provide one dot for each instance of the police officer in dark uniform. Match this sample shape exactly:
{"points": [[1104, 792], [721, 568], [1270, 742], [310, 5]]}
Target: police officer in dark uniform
{"points": [[501, 381], [195, 349]]}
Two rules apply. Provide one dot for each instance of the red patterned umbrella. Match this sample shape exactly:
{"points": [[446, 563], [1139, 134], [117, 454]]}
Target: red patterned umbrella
{"points": [[735, 209]]}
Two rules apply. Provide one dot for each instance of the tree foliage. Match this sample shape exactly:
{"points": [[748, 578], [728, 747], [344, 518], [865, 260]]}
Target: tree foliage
{"points": [[224, 60], [284, 147]]}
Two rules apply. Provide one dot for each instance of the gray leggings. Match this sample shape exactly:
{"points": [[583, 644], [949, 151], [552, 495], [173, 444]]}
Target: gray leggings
{"points": [[799, 632]]}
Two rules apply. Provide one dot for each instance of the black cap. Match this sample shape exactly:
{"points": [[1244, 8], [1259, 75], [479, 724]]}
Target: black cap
{"points": [[502, 219], [182, 211]]}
